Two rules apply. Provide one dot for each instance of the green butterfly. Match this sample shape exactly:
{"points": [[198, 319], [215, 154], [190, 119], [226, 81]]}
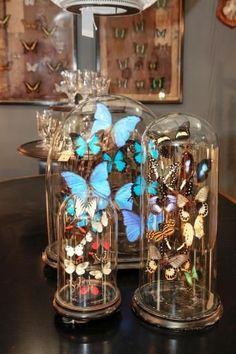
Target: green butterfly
{"points": [[191, 275], [161, 3]]}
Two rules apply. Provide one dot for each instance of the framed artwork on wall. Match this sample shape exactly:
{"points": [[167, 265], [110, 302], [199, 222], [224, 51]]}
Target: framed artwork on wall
{"points": [[37, 42], [142, 54]]}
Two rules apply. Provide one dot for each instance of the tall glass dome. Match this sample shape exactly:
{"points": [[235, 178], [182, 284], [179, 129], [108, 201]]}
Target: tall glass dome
{"points": [[177, 285], [101, 129]]}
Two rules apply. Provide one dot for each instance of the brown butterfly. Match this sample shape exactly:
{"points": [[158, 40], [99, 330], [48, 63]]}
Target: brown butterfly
{"points": [[54, 68], [30, 25], [168, 230], [48, 32], [29, 46], [32, 87], [4, 21]]}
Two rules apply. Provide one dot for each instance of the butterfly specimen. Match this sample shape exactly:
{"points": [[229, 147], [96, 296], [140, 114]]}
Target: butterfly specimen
{"points": [[121, 130], [140, 185], [118, 162], [157, 83], [186, 165], [84, 290], [4, 21], [152, 66], [30, 25], [155, 221], [54, 68], [190, 275], [140, 49], [140, 84], [31, 88], [157, 206], [29, 2], [132, 225], [48, 32], [123, 64], [160, 33], [139, 26], [29, 46], [183, 131], [119, 33], [98, 274], [81, 146], [5, 67], [153, 151], [139, 156], [168, 230], [32, 67], [99, 221], [98, 182], [203, 168], [161, 3], [123, 197], [70, 267], [122, 83]]}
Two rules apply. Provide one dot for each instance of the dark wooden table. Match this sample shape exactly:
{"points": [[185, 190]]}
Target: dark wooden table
{"points": [[28, 323]]}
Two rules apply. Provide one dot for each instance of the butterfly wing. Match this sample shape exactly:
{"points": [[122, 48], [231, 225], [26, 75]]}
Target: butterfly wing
{"points": [[76, 183], [152, 188], [139, 186], [94, 145], [152, 150], [154, 221], [203, 169], [123, 197], [103, 119], [119, 162], [123, 129], [139, 156], [80, 144], [132, 224], [108, 159], [100, 183]]}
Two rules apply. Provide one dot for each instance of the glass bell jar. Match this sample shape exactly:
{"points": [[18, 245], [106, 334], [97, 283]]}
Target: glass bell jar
{"points": [[87, 255], [177, 285], [100, 129]]}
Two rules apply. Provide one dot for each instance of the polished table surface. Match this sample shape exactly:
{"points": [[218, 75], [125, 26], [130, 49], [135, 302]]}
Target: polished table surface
{"points": [[28, 323]]}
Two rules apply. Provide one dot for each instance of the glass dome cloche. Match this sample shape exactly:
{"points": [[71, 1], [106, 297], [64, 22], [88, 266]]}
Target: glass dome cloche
{"points": [[87, 255], [101, 129], [177, 283]]}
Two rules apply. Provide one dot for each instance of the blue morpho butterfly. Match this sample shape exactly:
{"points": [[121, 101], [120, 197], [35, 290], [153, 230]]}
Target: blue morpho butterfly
{"points": [[98, 182], [123, 197], [81, 145], [154, 221], [132, 225], [118, 161], [140, 185], [152, 150], [121, 130], [203, 168], [139, 156]]}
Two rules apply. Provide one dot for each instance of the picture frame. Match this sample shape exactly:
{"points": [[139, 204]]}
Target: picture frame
{"points": [[142, 54], [37, 42]]}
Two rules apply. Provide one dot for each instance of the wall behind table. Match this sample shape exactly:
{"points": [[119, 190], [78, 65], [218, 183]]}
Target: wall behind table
{"points": [[209, 90], [17, 126]]}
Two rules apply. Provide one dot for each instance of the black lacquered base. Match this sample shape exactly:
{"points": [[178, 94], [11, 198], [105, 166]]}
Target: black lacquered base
{"points": [[49, 257], [189, 324]]}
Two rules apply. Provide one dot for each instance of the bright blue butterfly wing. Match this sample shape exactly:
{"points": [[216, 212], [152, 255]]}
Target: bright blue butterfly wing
{"points": [[124, 128], [70, 207], [139, 186], [119, 161], [152, 188], [98, 180], [93, 145], [154, 221], [83, 220], [153, 150], [132, 224], [80, 146], [108, 159], [139, 155], [103, 119], [76, 183], [123, 197]]}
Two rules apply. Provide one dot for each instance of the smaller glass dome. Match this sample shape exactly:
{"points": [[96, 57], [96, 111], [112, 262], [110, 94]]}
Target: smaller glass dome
{"points": [[87, 258], [179, 201]]}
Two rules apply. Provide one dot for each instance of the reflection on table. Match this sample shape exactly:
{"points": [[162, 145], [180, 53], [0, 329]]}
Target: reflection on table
{"points": [[28, 321]]}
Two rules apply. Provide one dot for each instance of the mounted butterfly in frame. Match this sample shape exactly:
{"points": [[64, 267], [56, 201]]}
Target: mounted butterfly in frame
{"points": [[82, 147], [30, 46], [117, 162]]}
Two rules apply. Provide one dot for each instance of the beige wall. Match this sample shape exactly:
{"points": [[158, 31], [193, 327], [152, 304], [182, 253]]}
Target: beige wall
{"points": [[209, 90]]}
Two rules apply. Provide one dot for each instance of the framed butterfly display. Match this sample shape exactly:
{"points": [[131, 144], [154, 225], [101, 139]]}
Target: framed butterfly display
{"points": [[36, 44], [142, 54]]}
